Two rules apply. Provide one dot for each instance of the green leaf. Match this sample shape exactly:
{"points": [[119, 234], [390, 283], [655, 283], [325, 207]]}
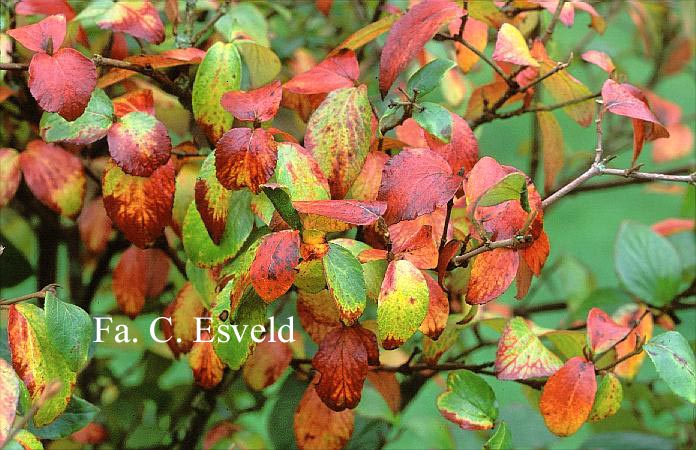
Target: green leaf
{"points": [[297, 171], [501, 439], [675, 363], [24, 440], [469, 401], [69, 328], [78, 414], [197, 243], [219, 72], [261, 63], [373, 271], [281, 202], [344, 277], [607, 399], [251, 312], [243, 19], [403, 303], [203, 281], [91, 126], [429, 76], [390, 118], [19, 270], [647, 264], [435, 119], [511, 187]]}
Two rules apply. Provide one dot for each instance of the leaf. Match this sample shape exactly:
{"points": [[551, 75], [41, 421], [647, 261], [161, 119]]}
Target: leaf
{"points": [[205, 363], [512, 48], [39, 36], [169, 58], [563, 87], [318, 427], [69, 328], [511, 187], [675, 363], [428, 77], [335, 72], [402, 305], [197, 243], [521, 355], [409, 35], [273, 269], [338, 135], [267, 363], [55, 177], [262, 64], [317, 311], [366, 34], [280, 199], [299, 172], [602, 332], [243, 21], [139, 144], [139, 274], [344, 277], [9, 398], [69, 93], [628, 316], [476, 34], [461, 152], [333, 215], [24, 440], [10, 175], [551, 148], [568, 395], [501, 439], [140, 19], [258, 105], [342, 363], [91, 126], [212, 199], [139, 207], [245, 157], [251, 312], [647, 264], [599, 59], [77, 415], [139, 100], [183, 310], [219, 72], [416, 182], [37, 362], [608, 398], [388, 387], [438, 310], [491, 274], [468, 401], [435, 119]]}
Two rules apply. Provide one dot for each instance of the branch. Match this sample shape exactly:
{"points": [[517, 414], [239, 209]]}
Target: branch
{"points": [[512, 242], [444, 37], [554, 21], [39, 294], [222, 10]]}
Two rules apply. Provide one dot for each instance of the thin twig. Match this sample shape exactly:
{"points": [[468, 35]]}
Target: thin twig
{"points": [[488, 246], [554, 20], [39, 294], [222, 10]]}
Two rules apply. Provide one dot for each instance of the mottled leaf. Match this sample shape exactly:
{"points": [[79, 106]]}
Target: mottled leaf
{"points": [[629, 316], [245, 157], [468, 402], [675, 363], [607, 399], [521, 355], [212, 199], [139, 274], [273, 269], [318, 313], [139, 144], [344, 277], [299, 172]]}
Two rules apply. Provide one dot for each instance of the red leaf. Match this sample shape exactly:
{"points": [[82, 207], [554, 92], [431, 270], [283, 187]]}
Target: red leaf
{"points": [[273, 269], [205, 363], [462, 150], [36, 37], [62, 82], [366, 186], [418, 247], [140, 207], [10, 175], [47, 7], [139, 19], [445, 256], [267, 363], [491, 274], [54, 176], [627, 100], [139, 274], [336, 72], [535, 255], [245, 158], [349, 211], [139, 143], [668, 227], [91, 434], [318, 427], [568, 396], [94, 226], [411, 134], [438, 310], [138, 100], [324, 6], [408, 36], [602, 332], [415, 182], [342, 363], [258, 105], [599, 59]]}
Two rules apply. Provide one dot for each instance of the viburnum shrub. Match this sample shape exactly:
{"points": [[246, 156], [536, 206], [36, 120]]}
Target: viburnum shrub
{"points": [[299, 224]]}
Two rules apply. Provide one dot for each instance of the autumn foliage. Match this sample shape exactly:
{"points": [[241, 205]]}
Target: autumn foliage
{"points": [[349, 168]]}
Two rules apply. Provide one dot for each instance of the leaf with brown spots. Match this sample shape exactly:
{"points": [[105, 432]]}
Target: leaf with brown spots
{"points": [[273, 269]]}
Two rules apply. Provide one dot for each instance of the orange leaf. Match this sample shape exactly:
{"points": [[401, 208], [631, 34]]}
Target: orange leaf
{"points": [[139, 274], [267, 363], [366, 185], [317, 427], [183, 311], [568, 396], [318, 313], [627, 317], [338, 71], [602, 332], [138, 100], [95, 226], [273, 269], [257, 105], [245, 158], [491, 274], [207, 367], [668, 227], [476, 34], [438, 310]]}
